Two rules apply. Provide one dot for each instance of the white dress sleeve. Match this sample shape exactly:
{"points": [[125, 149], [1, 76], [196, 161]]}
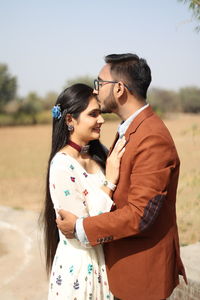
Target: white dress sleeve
{"points": [[65, 189], [98, 201]]}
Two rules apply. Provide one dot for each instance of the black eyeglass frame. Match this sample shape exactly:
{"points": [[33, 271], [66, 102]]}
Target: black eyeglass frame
{"points": [[98, 81]]}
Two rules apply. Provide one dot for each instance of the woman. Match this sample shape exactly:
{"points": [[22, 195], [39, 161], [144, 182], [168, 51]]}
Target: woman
{"points": [[75, 183]]}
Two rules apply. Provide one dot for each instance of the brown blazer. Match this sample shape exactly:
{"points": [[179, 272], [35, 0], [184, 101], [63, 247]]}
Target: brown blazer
{"points": [[140, 237]]}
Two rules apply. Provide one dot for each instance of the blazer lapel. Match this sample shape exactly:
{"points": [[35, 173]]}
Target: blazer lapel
{"points": [[147, 112]]}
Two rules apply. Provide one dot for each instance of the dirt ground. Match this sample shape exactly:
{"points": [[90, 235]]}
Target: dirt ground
{"points": [[23, 161], [22, 270]]}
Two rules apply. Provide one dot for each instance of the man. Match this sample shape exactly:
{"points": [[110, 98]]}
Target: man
{"points": [[140, 236]]}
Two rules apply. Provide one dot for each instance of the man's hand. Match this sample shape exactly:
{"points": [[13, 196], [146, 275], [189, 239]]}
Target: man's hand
{"points": [[66, 223]]}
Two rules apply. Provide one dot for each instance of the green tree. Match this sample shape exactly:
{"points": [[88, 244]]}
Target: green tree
{"points": [[194, 6], [164, 101], [190, 99], [81, 79], [8, 87], [49, 100], [31, 106]]}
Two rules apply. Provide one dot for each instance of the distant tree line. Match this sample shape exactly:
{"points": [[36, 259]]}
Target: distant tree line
{"points": [[34, 109]]}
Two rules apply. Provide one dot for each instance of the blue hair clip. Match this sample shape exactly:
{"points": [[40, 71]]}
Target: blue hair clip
{"points": [[56, 112]]}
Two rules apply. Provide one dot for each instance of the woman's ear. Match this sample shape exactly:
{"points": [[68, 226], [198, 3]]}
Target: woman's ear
{"points": [[68, 119]]}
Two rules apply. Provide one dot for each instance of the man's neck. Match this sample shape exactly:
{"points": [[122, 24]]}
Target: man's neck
{"points": [[125, 111]]}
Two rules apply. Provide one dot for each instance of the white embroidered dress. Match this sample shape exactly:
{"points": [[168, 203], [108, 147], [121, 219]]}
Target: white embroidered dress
{"points": [[78, 272]]}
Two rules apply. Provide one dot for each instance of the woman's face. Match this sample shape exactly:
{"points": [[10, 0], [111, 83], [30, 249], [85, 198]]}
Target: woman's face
{"points": [[88, 125]]}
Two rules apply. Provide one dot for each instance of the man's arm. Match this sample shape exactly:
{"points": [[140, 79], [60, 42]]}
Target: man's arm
{"points": [[153, 164], [67, 223], [71, 226]]}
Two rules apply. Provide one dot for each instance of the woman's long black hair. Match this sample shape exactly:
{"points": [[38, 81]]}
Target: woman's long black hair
{"points": [[72, 100]]}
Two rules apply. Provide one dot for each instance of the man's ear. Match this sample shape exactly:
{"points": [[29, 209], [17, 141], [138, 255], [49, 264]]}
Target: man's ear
{"points": [[119, 89]]}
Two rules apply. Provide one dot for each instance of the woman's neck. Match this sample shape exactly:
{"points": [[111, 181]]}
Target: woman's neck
{"points": [[78, 141], [76, 148]]}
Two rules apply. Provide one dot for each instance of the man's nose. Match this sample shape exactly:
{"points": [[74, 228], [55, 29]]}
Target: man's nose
{"points": [[95, 92]]}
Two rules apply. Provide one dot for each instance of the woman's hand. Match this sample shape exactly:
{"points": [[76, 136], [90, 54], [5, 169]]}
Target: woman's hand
{"points": [[113, 161]]}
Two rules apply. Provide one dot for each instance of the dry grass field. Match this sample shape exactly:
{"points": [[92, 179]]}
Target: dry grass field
{"points": [[23, 159]]}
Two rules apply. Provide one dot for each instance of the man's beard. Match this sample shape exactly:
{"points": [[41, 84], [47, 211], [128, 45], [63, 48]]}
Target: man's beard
{"points": [[109, 103]]}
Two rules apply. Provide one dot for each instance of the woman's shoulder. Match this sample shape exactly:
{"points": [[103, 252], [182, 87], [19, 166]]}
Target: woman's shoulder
{"points": [[62, 161]]}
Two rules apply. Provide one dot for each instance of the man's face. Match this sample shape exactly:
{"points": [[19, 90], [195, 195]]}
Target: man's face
{"points": [[105, 94]]}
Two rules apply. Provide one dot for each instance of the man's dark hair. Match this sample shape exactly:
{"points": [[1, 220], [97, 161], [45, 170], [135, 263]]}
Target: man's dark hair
{"points": [[132, 70]]}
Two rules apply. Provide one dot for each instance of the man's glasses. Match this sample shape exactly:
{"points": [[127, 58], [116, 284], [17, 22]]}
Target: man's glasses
{"points": [[98, 83]]}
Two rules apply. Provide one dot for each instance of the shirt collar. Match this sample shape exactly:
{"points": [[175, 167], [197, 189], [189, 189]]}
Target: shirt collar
{"points": [[124, 125]]}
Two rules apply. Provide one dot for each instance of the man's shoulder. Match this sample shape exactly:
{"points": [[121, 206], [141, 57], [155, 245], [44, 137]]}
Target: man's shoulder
{"points": [[154, 123], [152, 127]]}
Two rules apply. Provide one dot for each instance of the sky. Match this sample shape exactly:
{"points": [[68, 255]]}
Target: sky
{"points": [[47, 42]]}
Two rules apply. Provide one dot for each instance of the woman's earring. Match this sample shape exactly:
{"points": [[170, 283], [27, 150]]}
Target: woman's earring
{"points": [[70, 127]]}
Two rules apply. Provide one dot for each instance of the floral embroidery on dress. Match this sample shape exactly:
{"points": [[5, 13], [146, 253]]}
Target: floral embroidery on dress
{"points": [[85, 192], [71, 269], [85, 174], [99, 278], [67, 193], [59, 280], [71, 167], [72, 179], [76, 285], [90, 296], [90, 268]]}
